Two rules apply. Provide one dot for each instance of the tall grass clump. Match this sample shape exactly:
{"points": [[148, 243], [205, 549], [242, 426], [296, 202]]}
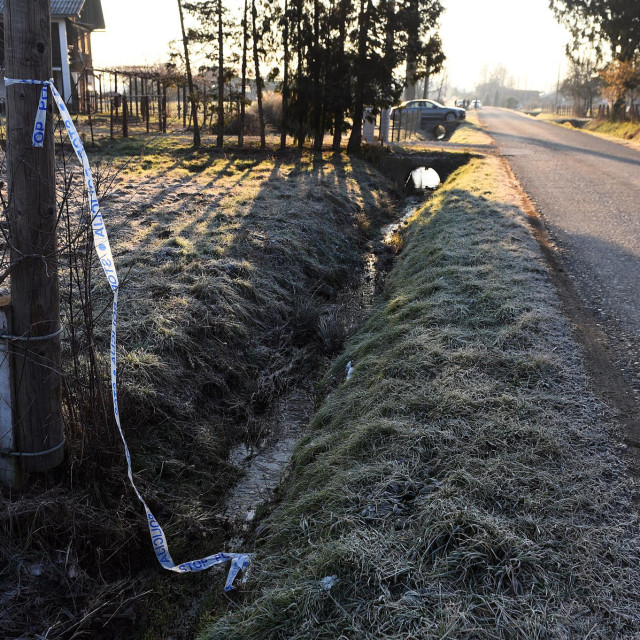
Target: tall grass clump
{"points": [[463, 482]]}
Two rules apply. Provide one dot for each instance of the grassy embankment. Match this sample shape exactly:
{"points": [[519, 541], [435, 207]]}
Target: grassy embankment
{"points": [[625, 130], [629, 131], [463, 482], [230, 267]]}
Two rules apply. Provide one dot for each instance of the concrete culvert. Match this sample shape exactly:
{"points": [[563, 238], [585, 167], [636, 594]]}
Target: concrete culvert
{"points": [[439, 132]]}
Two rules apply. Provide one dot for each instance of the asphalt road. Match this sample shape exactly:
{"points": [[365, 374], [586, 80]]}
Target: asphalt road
{"points": [[587, 190]]}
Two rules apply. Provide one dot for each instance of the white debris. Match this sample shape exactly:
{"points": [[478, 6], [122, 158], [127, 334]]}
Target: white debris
{"points": [[328, 582], [349, 369], [424, 178]]}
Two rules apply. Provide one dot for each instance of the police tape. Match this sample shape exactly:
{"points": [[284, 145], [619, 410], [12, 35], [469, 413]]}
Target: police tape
{"points": [[239, 561]]}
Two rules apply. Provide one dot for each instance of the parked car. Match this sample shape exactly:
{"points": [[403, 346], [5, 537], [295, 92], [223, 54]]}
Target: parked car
{"points": [[476, 104], [430, 110]]}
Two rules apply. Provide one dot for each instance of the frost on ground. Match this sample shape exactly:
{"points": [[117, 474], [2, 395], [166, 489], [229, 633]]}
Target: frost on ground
{"points": [[463, 483]]}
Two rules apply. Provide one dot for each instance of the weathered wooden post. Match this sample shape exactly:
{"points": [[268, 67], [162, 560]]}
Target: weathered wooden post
{"points": [[164, 107], [131, 94], [115, 91], [125, 117], [185, 106], [32, 216], [93, 142], [111, 118], [159, 103], [135, 88]]}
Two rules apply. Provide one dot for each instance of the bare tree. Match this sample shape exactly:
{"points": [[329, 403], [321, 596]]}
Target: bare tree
{"points": [[192, 95]]}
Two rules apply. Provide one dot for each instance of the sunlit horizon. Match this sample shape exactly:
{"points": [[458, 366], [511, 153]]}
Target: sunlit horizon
{"points": [[523, 36]]}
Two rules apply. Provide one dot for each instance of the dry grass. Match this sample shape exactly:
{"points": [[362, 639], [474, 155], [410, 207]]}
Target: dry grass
{"points": [[230, 267], [629, 131], [463, 483]]}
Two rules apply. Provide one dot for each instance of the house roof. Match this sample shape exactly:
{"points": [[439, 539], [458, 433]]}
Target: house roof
{"points": [[66, 7], [89, 11]]}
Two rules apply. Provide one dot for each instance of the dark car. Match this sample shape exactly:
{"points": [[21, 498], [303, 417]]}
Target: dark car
{"points": [[430, 110]]}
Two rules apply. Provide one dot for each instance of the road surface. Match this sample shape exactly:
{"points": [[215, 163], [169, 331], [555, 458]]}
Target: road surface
{"points": [[587, 190]]}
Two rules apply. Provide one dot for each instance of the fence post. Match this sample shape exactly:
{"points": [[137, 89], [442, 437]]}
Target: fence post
{"points": [[185, 106], [135, 88], [32, 216], [164, 107], [125, 117], [111, 118], [159, 105]]}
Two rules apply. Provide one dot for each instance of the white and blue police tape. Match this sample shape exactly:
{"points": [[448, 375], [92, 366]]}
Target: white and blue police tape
{"points": [[239, 561]]}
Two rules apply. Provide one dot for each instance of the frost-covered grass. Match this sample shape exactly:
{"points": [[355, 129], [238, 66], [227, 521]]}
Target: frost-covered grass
{"points": [[463, 482]]}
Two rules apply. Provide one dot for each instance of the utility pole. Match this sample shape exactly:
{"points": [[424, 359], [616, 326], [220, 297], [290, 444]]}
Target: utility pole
{"points": [[192, 94], [32, 216], [555, 108]]}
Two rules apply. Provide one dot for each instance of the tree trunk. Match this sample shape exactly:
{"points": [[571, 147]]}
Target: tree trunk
{"points": [[32, 216], [256, 59], [220, 138], [192, 95], [317, 106], [301, 102], [413, 44], [285, 79], [243, 89], [355, 139], [342, 98]]}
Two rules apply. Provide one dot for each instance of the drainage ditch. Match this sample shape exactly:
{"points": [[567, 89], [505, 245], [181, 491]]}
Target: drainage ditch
{"points": [[264, 464]]}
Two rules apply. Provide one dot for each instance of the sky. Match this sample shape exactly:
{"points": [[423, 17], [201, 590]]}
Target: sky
{"points": [[477, 35]]}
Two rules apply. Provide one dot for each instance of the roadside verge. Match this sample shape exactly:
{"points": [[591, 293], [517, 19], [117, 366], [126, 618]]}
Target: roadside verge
{"points": [[463, 482]]}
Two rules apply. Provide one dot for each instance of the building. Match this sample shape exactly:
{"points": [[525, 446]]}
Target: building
{"points": [[72, 22]]}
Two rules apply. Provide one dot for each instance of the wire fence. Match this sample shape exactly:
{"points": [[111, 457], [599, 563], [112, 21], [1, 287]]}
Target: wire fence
{"points": [[409, 125]]}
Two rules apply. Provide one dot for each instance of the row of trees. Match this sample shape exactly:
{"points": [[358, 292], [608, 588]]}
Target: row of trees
{"points": [[602, 30], [330, 58]]}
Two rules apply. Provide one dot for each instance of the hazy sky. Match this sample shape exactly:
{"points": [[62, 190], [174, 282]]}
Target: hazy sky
{"points": [[520, 34]]}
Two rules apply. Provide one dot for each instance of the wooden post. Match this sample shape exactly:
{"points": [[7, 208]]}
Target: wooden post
{"points": [[93, 142], [125, 117], [159, 103], [135, 88], [111, 119], [115, 90], [185, 106], [164, 107], [32, 216]]}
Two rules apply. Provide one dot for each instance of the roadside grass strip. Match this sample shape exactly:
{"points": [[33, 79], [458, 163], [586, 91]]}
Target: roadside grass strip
{"points": [[463, 483]]}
